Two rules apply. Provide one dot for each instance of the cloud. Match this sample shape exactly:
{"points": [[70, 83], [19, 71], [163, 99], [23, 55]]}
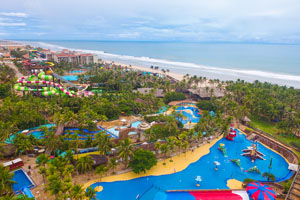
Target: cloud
{"points": [[213, 20], [14, 14], [12, 24]]}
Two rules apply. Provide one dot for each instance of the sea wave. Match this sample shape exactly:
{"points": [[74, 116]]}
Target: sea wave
{"points": [[265, 75]]}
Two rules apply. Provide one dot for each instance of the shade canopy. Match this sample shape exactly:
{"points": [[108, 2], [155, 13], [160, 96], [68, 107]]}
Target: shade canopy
{"points": [[217, 163], [259, 191], [293, 167]]}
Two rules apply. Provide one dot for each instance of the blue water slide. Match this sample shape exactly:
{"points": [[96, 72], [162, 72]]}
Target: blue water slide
{"points": [[27, 192]]}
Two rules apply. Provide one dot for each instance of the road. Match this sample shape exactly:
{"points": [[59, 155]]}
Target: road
{"points": [[12, 65]]}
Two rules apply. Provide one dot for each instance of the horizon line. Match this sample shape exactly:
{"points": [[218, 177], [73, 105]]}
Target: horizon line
{"points": [[157, 41]]}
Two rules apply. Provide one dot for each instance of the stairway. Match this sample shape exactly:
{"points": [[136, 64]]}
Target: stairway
{"points": [[294, 192]]}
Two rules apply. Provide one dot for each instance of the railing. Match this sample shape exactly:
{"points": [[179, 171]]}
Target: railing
{"points": [[292, 185], [279, 143], [149, 188]]}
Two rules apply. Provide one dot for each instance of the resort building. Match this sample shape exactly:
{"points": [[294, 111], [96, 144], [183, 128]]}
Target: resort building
{"points": [[74, 57]]}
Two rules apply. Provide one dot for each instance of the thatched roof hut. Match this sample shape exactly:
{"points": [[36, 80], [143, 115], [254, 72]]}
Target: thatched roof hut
{"points": [[8, 150], [99, 159], [203, 93]]}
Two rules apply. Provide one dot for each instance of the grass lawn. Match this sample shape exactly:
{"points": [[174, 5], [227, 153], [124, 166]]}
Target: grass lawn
{"points": [[271, 128]]}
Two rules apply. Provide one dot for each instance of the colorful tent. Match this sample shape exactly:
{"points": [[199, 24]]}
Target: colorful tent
{"points": [[259, 191]]}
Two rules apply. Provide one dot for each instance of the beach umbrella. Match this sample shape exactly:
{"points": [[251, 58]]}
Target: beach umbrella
{"points": [[217, 164], [259, 191], [198, 179]]}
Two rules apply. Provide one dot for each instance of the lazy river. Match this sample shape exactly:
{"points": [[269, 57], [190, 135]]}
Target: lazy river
{"points": [[150, 186]]}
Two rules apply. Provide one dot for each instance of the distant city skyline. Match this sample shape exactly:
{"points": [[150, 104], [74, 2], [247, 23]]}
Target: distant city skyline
{"points": [[255, 21]]}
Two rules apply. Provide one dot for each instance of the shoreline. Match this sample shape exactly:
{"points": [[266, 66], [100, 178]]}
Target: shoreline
{"points": [[227, 74], [177, 76]]}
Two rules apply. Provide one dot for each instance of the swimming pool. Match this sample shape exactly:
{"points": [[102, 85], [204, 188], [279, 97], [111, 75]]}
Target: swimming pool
{"points": [[136, 124], [76, 72], [22, 180], [71, 77], [204, 167], [192, 114], [37, 134], [11, 138], [114, 131]]}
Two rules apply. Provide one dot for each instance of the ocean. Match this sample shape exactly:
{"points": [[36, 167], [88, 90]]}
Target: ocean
{"points": [[273, 63]]}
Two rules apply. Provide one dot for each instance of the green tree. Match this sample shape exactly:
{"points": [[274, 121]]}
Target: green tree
{"points": [[125, 150], [43, 159], [101, 170], [6, 181], [142, 160], [84, 164], [269, 176], [54, 185], [90, 193], [113, 164], [77, 192]]}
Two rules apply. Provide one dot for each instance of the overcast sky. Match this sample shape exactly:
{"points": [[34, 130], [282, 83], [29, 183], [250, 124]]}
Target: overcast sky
{"points": [[275, 21]]}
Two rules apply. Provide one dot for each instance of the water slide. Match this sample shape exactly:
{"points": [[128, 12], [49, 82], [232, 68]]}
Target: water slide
{"points": [[63, 79], [42, 79], [26, 191], [207, 195]]}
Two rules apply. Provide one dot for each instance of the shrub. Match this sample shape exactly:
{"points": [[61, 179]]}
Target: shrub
{"points": [[207, 105], [249, 130], [142, 160], [248, 180], [174, 96]]}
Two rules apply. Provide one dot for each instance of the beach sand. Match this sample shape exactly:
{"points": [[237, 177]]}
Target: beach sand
{"points": [[176, 76]]}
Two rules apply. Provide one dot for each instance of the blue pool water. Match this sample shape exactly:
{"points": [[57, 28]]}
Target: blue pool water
{"points": [[114, 131], [37, 134], [8, 140], [204, 167], [71, 77], [135, 124], [76, 71], [21, 181], [191, 114]]}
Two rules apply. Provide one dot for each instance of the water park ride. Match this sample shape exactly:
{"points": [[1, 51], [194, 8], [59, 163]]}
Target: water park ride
{"points": [[222, 148], [253, 153], [236, 161], [254, 169], [43, 84], [232, 133]]}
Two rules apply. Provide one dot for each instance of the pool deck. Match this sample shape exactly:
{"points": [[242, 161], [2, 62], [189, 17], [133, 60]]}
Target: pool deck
{"points": [[180, 162]]}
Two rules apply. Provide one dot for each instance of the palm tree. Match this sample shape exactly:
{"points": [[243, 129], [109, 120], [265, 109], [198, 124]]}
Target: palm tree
{"points": [[75, 138], [43, 172], [54, 185], [164, 148], [269, 176], [113, 164], [104, 143], [6, 180], [43, 159], [77, 192], [125, 150], [90, 193], [84, 164], [100, 170]]}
